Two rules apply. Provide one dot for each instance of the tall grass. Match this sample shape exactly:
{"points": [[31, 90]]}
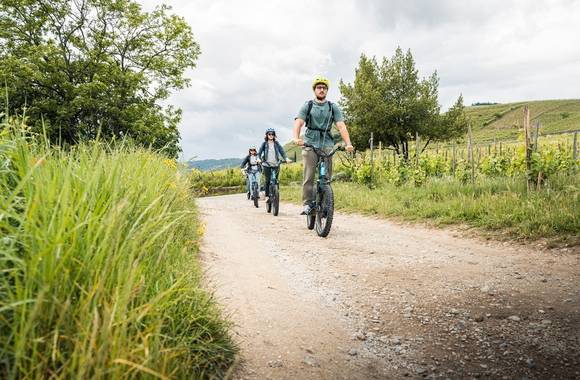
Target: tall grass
{"points": [[496, 204], [99, 274]]}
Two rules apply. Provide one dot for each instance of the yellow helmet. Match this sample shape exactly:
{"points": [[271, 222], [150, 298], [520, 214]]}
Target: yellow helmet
{"points": [[320, 80]]}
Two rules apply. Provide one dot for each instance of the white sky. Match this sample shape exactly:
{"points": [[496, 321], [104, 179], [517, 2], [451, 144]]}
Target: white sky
{"points": [[259, 57]]}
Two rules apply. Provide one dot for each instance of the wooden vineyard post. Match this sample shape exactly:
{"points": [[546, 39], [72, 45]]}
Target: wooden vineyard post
{"points": [[417, 148], [536, 135], [470, 153], [574, 150], [371, 141], [453, 159], [380, 158], [528, 148]]}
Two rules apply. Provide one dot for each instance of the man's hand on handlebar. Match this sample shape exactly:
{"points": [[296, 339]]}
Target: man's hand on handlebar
{"points": [[299, 142], [341, 146], [348, 148]]}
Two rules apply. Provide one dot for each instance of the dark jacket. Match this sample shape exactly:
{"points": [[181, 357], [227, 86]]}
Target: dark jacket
{"points": [[280, 153], [246, 162]]}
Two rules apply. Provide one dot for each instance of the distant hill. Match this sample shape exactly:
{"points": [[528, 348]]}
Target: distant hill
{"points": [[214, 164], [504, 121]]}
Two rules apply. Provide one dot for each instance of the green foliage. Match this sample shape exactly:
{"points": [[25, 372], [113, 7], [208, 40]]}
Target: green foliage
{"points": [[363, 174], [495, 166], [210, 182], [291, 173], [483, 103], [551, 161], [99, 274], [389, 100], [84, 68], [434, 165], [463, 172], [453, 124], [418, 176], [398, 174]]}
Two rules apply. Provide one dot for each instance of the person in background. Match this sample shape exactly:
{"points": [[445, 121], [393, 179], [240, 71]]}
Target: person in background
{"points": [[251, 168], [271, 154]]}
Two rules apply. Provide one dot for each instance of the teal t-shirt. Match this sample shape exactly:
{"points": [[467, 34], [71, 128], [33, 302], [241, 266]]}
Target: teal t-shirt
{"points": [[320, 118]]}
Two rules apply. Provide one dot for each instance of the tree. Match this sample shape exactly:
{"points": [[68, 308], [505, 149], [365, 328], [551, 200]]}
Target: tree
{"points": [[392, 102], [81, 68], [453, 124]]}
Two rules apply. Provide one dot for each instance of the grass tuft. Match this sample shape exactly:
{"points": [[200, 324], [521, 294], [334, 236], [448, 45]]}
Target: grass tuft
{"points": [[99, 274]]}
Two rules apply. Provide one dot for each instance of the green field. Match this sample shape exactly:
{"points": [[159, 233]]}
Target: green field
{"points": [[100, 274]]}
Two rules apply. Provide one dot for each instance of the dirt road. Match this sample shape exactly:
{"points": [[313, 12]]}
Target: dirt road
{"points": [[379, 299]]}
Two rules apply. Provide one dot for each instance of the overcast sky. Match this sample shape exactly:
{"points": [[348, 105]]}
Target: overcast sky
{"points": [[259, 57]]}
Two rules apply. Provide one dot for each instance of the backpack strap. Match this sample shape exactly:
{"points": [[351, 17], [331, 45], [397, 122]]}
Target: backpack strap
{"points": [[331, 109], [310, 103]]}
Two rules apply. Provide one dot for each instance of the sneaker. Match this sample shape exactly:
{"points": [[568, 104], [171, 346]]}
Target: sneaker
{"points": [[307, 209]]}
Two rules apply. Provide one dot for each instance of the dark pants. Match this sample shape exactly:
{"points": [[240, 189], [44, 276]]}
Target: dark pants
{"points": [[268, 176]]}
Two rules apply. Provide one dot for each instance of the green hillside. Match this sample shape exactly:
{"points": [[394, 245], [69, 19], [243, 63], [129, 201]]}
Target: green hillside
{"points": [[504, 121], [214, 164]]}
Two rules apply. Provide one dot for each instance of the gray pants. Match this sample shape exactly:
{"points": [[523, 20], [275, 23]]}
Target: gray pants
{"points": [[309, 161]]}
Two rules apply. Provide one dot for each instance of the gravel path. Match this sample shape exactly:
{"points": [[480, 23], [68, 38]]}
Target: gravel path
{"points": [[378, 299]]}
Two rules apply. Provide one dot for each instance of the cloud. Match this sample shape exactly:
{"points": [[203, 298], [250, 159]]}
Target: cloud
{"points": [[258, 57]]}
